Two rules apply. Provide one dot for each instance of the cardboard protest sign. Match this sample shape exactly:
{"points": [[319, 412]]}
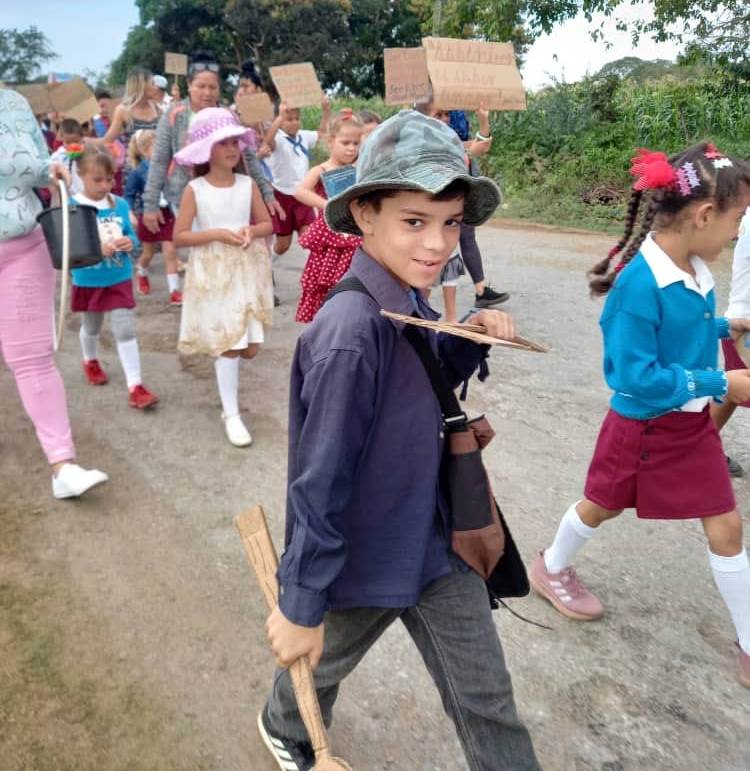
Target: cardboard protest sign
{"points": [[297, 84], [175, 64], [406, 76], [338, 180], [467, 73], [74, 99], [254, 108]]}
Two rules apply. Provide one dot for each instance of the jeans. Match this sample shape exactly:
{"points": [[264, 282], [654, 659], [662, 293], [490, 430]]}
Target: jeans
{"points": [[27, 289], [453, 629]]}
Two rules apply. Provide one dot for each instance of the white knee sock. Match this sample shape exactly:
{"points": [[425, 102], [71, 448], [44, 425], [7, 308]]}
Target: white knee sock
{"points": [[228, 380], [732, 577], [89, 345], [173, 282], [131, 361], [571, 535]]}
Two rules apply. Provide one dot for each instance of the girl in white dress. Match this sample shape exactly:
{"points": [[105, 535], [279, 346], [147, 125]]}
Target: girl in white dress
{"points": [[228, 293]]}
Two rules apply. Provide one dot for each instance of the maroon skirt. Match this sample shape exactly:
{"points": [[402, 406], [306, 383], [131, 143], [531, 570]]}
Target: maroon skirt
{"points": [[99, 299], [671, 467], [732, 360], [165, 229]]}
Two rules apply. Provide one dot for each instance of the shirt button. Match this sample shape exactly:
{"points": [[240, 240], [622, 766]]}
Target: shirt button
{"points": [[706, 315], [644, 456]]}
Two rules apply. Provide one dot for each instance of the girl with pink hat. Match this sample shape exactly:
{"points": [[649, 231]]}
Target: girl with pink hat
{"points": [[228, 293]]}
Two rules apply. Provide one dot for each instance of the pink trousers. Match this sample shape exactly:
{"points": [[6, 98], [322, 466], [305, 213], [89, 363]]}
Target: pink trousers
{"points": [[27, 294]]}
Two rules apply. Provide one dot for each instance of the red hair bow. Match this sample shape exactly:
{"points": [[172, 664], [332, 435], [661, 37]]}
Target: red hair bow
{"points": [[653, 171], [712, 152], [346, 113]]}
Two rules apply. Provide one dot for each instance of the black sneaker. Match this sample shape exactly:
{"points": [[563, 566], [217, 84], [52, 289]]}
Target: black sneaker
{"points": [[288, 754], [735, 470], [276, 301], [490, 297]]}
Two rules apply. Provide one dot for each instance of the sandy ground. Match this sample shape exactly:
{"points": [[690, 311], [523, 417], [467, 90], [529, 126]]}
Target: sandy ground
{"points": [[131, 629]]}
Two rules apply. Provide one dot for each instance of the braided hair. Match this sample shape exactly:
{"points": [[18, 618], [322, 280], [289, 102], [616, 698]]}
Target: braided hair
{"points": [[699, 173]]}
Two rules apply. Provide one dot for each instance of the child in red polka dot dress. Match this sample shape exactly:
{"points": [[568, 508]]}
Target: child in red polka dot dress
{"points": [[330, 252]]}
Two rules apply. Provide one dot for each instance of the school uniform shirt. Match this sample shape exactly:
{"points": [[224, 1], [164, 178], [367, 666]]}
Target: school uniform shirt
{"points": [[739, 292], [660, 337], [113, 219], [290, 159], [61, 156], [366, 525], [136, 186]]}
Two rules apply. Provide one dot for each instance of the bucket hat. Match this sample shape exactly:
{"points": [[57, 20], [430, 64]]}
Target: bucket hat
{"points": [[410, 151], [211, 125]]}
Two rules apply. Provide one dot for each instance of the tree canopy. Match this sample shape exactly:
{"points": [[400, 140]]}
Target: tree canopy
{"points": [[22, 53]]}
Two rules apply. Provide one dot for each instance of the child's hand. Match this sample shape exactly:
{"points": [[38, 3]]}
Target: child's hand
{"points": [[738, 327], [497, 324], [264, 151], [282, 111], [108, 248], [247, 234], [123, 244], [325, 104], [290, 641], [229, 237], [738, 385]]}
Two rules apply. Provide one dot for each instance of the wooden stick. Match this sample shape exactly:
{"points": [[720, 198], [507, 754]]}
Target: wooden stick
{"points": [[261, 554], [474, 332]]}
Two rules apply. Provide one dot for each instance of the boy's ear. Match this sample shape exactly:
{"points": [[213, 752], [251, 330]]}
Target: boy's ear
{"points": [[364, 216]]}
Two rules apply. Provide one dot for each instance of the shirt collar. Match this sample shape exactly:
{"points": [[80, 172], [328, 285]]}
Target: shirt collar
{"points": [[666, 272], [386, 290]]}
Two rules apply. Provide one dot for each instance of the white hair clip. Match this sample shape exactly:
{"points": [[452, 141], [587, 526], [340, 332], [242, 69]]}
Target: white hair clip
{"points": [[722, 163]]}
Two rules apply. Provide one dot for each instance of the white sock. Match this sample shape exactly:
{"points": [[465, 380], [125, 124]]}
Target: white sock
{"points": [[173, 282], [89, 345], [571, 535], [131, 361], [228, 380], [732, 577], [142, 271]]}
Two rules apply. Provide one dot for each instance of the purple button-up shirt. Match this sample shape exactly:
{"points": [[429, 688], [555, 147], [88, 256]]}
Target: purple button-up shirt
{"points": [[366, 524]]}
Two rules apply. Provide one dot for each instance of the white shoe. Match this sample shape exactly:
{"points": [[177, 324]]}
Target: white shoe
{"points": [[72, 480], [237, 433]]}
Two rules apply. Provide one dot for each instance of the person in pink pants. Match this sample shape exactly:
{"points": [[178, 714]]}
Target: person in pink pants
{"points": [[27, 287]]}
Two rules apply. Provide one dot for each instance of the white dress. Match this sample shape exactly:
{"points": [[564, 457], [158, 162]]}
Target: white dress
{"points": [[228, 292]]}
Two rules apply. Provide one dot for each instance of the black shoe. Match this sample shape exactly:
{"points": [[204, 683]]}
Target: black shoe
{"points": [[288, 754], [735, 470], [490, 297], [276, 301]]}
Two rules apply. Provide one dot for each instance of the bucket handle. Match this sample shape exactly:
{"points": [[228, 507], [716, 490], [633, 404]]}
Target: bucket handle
{"points": [[57, 326]]}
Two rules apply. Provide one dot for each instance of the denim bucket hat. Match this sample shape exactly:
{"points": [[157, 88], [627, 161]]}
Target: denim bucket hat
{"points": [[410, 151]]}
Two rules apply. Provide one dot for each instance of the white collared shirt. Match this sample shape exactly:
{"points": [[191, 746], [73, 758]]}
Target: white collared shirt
{"points": [[665, 273], [289, 164], [739, 292]]}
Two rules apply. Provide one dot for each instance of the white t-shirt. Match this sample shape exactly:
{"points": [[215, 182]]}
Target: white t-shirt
{"points": [[739, 292], [61, 156], [290, 160]]}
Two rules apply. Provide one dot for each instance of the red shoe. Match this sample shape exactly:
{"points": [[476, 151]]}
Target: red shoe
{"points": [[175, 298], [141, 397], [94, 373], [144, 285]]}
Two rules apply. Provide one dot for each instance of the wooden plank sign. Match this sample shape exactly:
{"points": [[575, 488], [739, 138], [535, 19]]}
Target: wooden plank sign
{"points": [[255, 108], [175, 64], [406, 76], [38, 97], [468, 73], [297, 84]]}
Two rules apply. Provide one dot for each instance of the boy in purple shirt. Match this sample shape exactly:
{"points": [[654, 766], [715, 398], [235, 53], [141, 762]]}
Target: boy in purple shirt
{"points": [[368, 532]]}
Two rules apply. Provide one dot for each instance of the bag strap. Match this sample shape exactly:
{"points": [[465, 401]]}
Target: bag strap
{"points": [[453, 416]]}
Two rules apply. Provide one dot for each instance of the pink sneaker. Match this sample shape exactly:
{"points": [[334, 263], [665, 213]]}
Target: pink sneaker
{"points": [[743, 673], [566, 593]]}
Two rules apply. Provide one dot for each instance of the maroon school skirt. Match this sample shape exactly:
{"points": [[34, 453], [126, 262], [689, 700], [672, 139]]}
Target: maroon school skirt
{"points": [[732, 360], [298, 215], [671, 467], [99, 299], [165, 229]]}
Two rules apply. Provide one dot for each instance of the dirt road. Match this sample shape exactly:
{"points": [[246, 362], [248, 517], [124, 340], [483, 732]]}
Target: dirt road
{"points": [[131, 630]]}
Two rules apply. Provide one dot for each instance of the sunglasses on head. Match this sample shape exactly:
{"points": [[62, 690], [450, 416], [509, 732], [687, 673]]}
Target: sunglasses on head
{"points": [[204, 66]]}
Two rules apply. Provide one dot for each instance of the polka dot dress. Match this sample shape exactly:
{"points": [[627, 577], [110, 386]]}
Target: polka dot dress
{"points": [[329, 259]]}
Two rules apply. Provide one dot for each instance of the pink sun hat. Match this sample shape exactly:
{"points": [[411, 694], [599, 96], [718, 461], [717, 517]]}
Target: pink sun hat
{"points": [[211, 125]]}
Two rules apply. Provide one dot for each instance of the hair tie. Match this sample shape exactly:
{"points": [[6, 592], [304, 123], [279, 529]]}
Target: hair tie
{"points": [[652, 170], [619, 267], [346, 113]]}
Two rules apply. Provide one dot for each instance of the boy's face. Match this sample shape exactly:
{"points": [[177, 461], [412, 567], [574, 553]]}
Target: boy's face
{"points": [[367, 129], [72, 138], [290, 122], [412, 236]]}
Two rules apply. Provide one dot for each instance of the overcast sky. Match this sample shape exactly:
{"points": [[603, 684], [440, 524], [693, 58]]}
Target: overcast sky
{"points": [[90, 34]]}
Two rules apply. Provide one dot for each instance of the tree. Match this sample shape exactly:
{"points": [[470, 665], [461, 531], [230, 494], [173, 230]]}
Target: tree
{"points": [[22, 53]]}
